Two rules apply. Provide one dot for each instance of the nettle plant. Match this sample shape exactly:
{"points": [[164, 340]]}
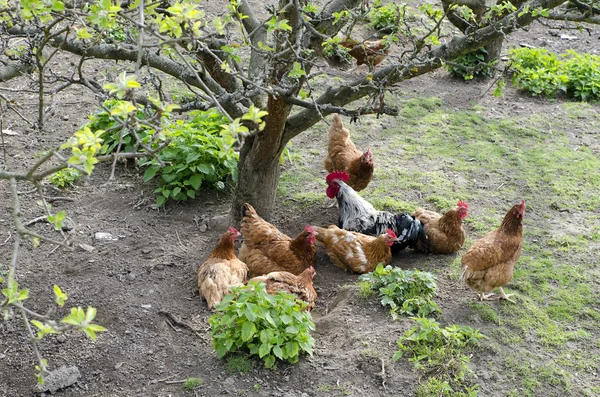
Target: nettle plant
{"points": [[408, 292], [200, 152], [189, 153], [270, 326], [433, 349], [543, 73]]}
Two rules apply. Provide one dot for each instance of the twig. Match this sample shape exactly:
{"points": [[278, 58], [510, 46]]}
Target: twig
{"points": [[6, 241], [164, 379], [179, 322], [382, 373], [168, 382], [180, 243], [53, 199], [43, 218]]}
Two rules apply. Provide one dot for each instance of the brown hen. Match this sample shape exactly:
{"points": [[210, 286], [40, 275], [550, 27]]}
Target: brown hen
{"points": [[301, 285], [221, 270], [342, 155], [355, 251], [445, 233], [266, 249], [490, 261], [369, 52]]}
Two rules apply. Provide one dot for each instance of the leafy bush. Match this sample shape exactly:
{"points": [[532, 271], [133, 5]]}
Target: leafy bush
{"points": [[199, 153], [65, 177], [543, 73], [440, 350], [200, 150], [107, 123], [385, 18], [471, 65], [270, 326], [405, 291]]}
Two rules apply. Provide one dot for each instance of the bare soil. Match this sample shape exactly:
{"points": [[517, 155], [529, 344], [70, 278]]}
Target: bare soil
{"points": [[144, 283]]}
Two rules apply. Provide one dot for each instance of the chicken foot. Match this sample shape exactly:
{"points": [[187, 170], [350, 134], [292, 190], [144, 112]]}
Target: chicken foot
{"points": [[493, 297], [506, 296]]}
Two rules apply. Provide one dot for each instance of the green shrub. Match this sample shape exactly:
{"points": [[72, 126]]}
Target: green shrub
{"points": [[270, 326], [471, 65], [104, 121], [199, 153], [65, 177], [440, 351], [386, 18], [543, 73], [408, 292]]}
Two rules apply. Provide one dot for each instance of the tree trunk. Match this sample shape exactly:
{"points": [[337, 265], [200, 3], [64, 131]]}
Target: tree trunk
{"points": [[493, 51], [258, 179], [259, 167]]}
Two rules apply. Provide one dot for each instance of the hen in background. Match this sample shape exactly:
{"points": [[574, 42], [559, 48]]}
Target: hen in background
{"points": [[221, 270], [301, 285], [445, 232], [355, 251], [369, 52], [342, 155], [357, 214], [490, 261], [266, 249]]}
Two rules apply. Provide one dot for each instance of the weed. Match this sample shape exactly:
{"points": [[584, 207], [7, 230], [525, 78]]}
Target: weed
{"points": [[239, 365], [405, 291], [270, 326], [192, 383], [439, 350], [65, 177]]}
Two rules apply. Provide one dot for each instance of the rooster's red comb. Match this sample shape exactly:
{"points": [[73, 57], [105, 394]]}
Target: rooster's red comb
{"points": [[341, 175], [233, 230], [391, 233], [309, 229], [462, 204], [522, 205]]}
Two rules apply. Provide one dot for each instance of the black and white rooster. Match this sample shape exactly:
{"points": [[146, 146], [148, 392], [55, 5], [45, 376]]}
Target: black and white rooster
{"points": [[358, 215]]}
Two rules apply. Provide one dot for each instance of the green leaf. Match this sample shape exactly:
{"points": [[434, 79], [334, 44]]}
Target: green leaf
{"points": [[278, 352], [195, 181], [248, 330], [160, 200], [150, 172], [264, 349]]}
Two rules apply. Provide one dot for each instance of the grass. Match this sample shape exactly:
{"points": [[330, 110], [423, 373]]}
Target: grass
{"points": [[434, 155], [239, 365]]}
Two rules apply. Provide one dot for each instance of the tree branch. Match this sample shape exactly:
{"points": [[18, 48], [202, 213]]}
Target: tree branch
{"points": [[13, 70], [417, 66], [570, 17]]}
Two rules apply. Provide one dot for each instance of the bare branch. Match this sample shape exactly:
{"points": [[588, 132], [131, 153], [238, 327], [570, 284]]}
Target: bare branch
{"points": [[570, 17], [417, 66]]}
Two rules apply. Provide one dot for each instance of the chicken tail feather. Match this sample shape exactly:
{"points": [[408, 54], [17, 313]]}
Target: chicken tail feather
{"points": [[248, 210]]}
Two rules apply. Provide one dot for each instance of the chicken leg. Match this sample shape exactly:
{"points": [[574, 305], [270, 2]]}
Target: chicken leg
{"points": [[488, 297]]}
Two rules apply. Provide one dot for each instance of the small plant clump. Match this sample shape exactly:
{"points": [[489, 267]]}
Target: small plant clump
{"points": [[192, 383], [471, 65], [239, 365], [543, 73], [65, 177], [440, 350], [408, 292], [270, 326]]}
